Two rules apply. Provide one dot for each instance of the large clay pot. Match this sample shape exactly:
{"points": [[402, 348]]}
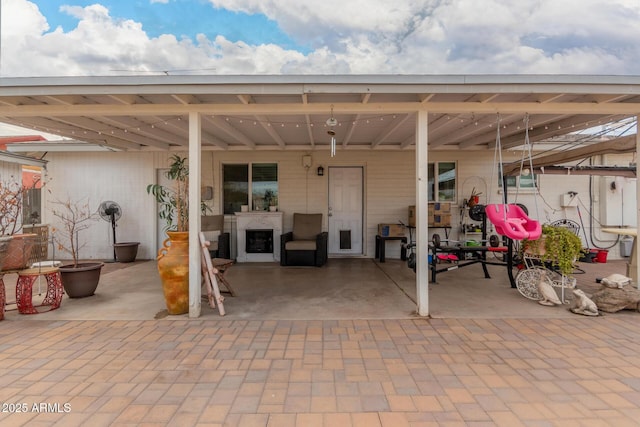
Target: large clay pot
{"points": [[4, 245], [18, 255], [173, 266], [126, 251], [81, 281]]}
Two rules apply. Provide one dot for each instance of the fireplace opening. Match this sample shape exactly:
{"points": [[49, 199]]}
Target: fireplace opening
{"points": [[259, 241]]}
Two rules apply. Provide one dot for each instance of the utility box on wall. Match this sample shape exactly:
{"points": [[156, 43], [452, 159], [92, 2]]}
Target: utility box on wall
{"points": [[617, 201]]}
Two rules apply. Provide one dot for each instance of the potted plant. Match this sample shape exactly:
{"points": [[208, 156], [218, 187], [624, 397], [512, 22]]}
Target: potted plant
{"points": [[15, 248], [558, 246], [271, 200], [126, 251], [78, 279], [173, 257]]}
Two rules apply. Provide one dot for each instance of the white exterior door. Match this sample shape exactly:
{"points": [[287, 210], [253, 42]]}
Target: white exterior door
{"points": [[345, 210]]}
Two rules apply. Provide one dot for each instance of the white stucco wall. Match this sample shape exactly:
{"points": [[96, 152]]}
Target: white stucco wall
{"points": [[389, 190], [97, 177], [10, 172]]}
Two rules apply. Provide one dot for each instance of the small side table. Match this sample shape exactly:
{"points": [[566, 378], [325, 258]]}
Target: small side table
{"points": [[24, 289], [381, 242]]}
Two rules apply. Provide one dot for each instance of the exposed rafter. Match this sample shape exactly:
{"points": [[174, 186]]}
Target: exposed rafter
{"points": [[461, 109], [394, 126], [264, 122], [231, 131], [625, 144]]}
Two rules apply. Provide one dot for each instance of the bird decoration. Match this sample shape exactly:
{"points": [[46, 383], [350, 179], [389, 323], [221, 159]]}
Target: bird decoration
{"points": [[547, 294]]}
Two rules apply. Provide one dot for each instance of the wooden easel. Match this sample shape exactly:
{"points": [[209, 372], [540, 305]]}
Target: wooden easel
{"points": [[209, 275]]}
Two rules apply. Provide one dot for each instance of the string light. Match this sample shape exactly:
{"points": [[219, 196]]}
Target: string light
{"points": [[283, 124]]}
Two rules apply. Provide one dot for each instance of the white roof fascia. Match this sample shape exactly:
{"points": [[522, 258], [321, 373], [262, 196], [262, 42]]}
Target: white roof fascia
{"points": [[63, 145], [289, 84], [22, 160]]}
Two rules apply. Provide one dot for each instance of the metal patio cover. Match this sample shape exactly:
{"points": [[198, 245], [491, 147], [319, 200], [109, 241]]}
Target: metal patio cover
{"points": [[289, 112]]}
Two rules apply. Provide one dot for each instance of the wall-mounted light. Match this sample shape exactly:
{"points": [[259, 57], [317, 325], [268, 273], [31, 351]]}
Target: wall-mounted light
{"points": [[320, 171]]}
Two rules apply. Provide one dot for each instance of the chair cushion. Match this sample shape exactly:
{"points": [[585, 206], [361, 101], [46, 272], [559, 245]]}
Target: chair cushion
{"points": [[301, 245], [212, 222], [212, 238], [306, 226]]}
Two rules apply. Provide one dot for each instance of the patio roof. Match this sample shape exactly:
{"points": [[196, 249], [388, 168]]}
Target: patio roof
{"points": [[374, 112]]}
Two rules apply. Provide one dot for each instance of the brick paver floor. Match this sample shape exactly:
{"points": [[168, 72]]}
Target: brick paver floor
{"points": [[415, 372]]}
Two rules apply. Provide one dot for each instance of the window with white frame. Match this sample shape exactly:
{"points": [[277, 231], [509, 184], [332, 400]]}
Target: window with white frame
{"points": [[527, 181], [251, 184], [442, 181]]}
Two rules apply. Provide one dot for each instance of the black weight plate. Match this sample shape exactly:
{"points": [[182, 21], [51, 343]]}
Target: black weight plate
{"points": [[411, 262], [523, 207], [436, 240], [494, 241], [476, 213]]}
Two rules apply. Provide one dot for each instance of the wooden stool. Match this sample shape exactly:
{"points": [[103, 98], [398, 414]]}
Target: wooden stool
{"points": [[24, 289], [222, 265]]}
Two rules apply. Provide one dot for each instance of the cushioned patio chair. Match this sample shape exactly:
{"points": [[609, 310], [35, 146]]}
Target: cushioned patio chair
{"points": [[212, 227], [306, 244]]}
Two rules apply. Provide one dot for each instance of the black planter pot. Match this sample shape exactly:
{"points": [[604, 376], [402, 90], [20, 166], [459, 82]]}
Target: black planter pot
{"points": [[126, 251], [81, 281]]}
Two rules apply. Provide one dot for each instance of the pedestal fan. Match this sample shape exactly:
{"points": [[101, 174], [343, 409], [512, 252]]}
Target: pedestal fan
{"points": [[111, 212]]}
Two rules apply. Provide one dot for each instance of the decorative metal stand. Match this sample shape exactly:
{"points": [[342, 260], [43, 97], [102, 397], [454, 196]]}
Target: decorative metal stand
{"points": [[24, 289]]}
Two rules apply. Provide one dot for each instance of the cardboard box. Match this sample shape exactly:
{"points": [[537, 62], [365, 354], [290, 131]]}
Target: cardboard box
{"points": [[441, 220], [391, 230], [444, 208], [412, 216], [438, 214]]}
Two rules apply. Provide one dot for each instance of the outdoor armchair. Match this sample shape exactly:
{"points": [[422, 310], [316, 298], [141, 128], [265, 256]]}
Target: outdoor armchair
{"points": [[212, 227], [306, 244]]}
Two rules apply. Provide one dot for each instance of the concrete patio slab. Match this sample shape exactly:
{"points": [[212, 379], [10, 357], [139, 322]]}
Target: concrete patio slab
{"points": [[343, 289]]}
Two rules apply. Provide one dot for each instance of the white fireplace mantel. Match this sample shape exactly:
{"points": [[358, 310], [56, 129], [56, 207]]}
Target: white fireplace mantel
{"points": [[260, 220]]}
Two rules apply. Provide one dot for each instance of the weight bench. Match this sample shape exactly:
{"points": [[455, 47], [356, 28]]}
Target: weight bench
{"points": [[479, 256]]}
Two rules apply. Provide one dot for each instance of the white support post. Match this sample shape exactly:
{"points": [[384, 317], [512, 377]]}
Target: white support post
{"points": [[422, 213], [195, 180]]}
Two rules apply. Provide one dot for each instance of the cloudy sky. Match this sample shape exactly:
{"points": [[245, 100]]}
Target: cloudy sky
{"points": [[143, 37]]}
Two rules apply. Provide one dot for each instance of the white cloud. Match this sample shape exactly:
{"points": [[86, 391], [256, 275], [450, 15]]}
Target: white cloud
{"points": [[358, 36]]}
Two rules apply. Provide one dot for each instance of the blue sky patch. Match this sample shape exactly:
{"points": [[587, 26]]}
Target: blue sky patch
{"points": [[180, 18]]}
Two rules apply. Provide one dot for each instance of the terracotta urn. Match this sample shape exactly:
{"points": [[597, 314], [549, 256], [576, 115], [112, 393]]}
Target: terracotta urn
{"points": [[173, 266]]}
